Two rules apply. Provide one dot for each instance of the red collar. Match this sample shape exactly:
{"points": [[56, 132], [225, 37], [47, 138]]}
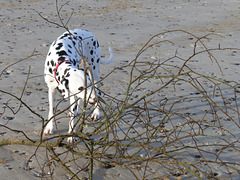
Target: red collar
{"points": [[58, 64]]}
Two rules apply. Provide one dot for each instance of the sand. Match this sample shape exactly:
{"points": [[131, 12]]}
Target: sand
{"points": [[125, 26]]}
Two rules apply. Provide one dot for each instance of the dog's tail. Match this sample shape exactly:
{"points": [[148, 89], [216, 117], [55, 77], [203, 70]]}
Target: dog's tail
{"points": [[110, 58]]}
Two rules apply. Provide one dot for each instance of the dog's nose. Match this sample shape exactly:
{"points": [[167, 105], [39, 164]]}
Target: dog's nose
{"points": [[95, 99]]}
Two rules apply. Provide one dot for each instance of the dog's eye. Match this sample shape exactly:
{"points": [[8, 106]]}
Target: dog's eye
{"points": [[81, 88]]}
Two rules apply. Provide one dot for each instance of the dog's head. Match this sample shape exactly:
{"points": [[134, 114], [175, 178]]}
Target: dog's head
{"points": [[81, 86]]}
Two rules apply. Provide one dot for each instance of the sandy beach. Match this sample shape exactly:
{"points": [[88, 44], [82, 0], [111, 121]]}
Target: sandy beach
{"points": [[199, 106]]}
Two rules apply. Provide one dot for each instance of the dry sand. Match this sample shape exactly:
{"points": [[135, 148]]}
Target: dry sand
{"points": [[123, 25]]}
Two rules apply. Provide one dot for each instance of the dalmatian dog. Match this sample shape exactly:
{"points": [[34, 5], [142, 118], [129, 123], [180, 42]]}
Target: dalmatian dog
{"points": [[62, 72]]}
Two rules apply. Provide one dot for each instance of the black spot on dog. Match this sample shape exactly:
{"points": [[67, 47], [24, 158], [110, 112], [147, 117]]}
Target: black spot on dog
{"points": [[98, 60], [74, 108], [92, 60], [64, 35], [70, 51], [79, 37], [61, 59], [66, 70], [50, 70], [52, 62], [59, 90], [60, 45], [49, 53], [67, 75], [66, 84], [62, 91], [80, 88], [74, 62], [48, 63], [69, 46], [91, 52], [62, 53], [54, 43], [94, 67], [94, 43], [97, 44]]}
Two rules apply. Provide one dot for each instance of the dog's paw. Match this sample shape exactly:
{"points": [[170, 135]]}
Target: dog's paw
{"points": [[96, 114], [94, 117], [71, 140], [48, 129], [69, 114]]}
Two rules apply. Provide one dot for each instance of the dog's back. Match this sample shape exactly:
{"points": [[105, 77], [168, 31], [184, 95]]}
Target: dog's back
{"points": [[72, 47]]}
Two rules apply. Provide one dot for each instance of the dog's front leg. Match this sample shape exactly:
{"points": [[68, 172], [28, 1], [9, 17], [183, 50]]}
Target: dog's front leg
{"points": [[96, 113], [49, 127], [73, 119]]}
